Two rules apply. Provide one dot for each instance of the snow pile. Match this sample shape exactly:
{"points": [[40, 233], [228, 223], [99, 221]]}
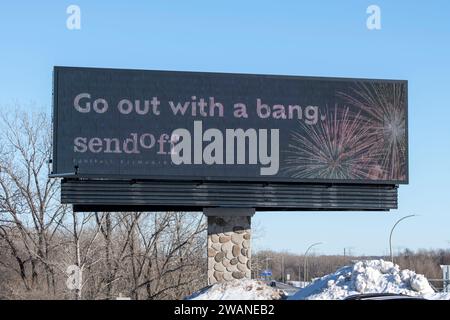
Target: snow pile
{"points": [[370, 276], [245, 289]]}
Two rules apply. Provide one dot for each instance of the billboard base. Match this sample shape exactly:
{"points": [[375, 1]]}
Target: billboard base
{"points": [[229, 246]]}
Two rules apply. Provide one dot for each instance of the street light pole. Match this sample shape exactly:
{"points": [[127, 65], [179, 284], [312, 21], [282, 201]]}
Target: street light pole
{"points": [[267, 264], [305, 267], [392, 230]]}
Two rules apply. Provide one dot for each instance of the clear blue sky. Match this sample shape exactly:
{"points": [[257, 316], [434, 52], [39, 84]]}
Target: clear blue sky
{"points": [[314, 38]]}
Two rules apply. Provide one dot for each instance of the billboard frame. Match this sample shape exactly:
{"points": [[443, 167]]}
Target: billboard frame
{"points": [[76, 174]]}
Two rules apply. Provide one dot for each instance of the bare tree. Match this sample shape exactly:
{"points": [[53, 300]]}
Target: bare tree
{"points": [[143, 254], [28, 205]]}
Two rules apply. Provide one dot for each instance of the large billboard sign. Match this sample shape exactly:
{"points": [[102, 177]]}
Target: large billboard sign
{"points": [[164, 125]]}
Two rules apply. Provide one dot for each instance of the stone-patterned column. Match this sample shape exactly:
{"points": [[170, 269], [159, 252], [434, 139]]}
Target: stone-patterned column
{"points": [[229, 254]]}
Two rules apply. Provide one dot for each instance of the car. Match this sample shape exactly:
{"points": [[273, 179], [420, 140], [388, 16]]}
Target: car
{"points": [[382, 297]]}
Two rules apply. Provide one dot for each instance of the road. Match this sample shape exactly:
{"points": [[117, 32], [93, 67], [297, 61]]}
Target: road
{"points": [[290, 290]]}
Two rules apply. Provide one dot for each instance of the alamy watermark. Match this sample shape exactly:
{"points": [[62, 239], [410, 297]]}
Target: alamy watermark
{"points": [[373, 21], [73, 21], [74, 277]]}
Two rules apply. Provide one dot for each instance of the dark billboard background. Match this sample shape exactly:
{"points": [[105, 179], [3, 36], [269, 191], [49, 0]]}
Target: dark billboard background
{"points": [[336, 130]]}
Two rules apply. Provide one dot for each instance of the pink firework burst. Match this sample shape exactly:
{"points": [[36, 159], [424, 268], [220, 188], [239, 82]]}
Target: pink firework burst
{"points": [[385, 104], [338, 147]]}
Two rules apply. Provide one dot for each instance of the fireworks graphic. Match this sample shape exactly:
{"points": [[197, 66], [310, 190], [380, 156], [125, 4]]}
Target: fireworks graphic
{"points": [[384, 104], [338, 147]]}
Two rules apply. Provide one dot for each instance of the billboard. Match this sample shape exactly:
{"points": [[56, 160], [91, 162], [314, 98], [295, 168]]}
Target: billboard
{"points": [[166, 125]]}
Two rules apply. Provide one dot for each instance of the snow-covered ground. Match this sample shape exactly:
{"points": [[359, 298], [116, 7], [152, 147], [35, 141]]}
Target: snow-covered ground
{"points": [[370, 276], [238, 290]]}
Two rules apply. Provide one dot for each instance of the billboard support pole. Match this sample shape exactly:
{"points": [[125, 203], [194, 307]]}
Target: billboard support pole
{"points": [[229, 250]]}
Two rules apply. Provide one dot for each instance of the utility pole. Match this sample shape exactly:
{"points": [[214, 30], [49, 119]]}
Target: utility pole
{"points": [[348, 251], [256, 267]]}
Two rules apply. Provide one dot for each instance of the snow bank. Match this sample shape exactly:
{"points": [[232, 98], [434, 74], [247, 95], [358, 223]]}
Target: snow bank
{"points": [[238, 290], [370, 276]]}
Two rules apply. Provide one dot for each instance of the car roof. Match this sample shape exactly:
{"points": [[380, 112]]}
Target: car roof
{"points": [[382, 296]]}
